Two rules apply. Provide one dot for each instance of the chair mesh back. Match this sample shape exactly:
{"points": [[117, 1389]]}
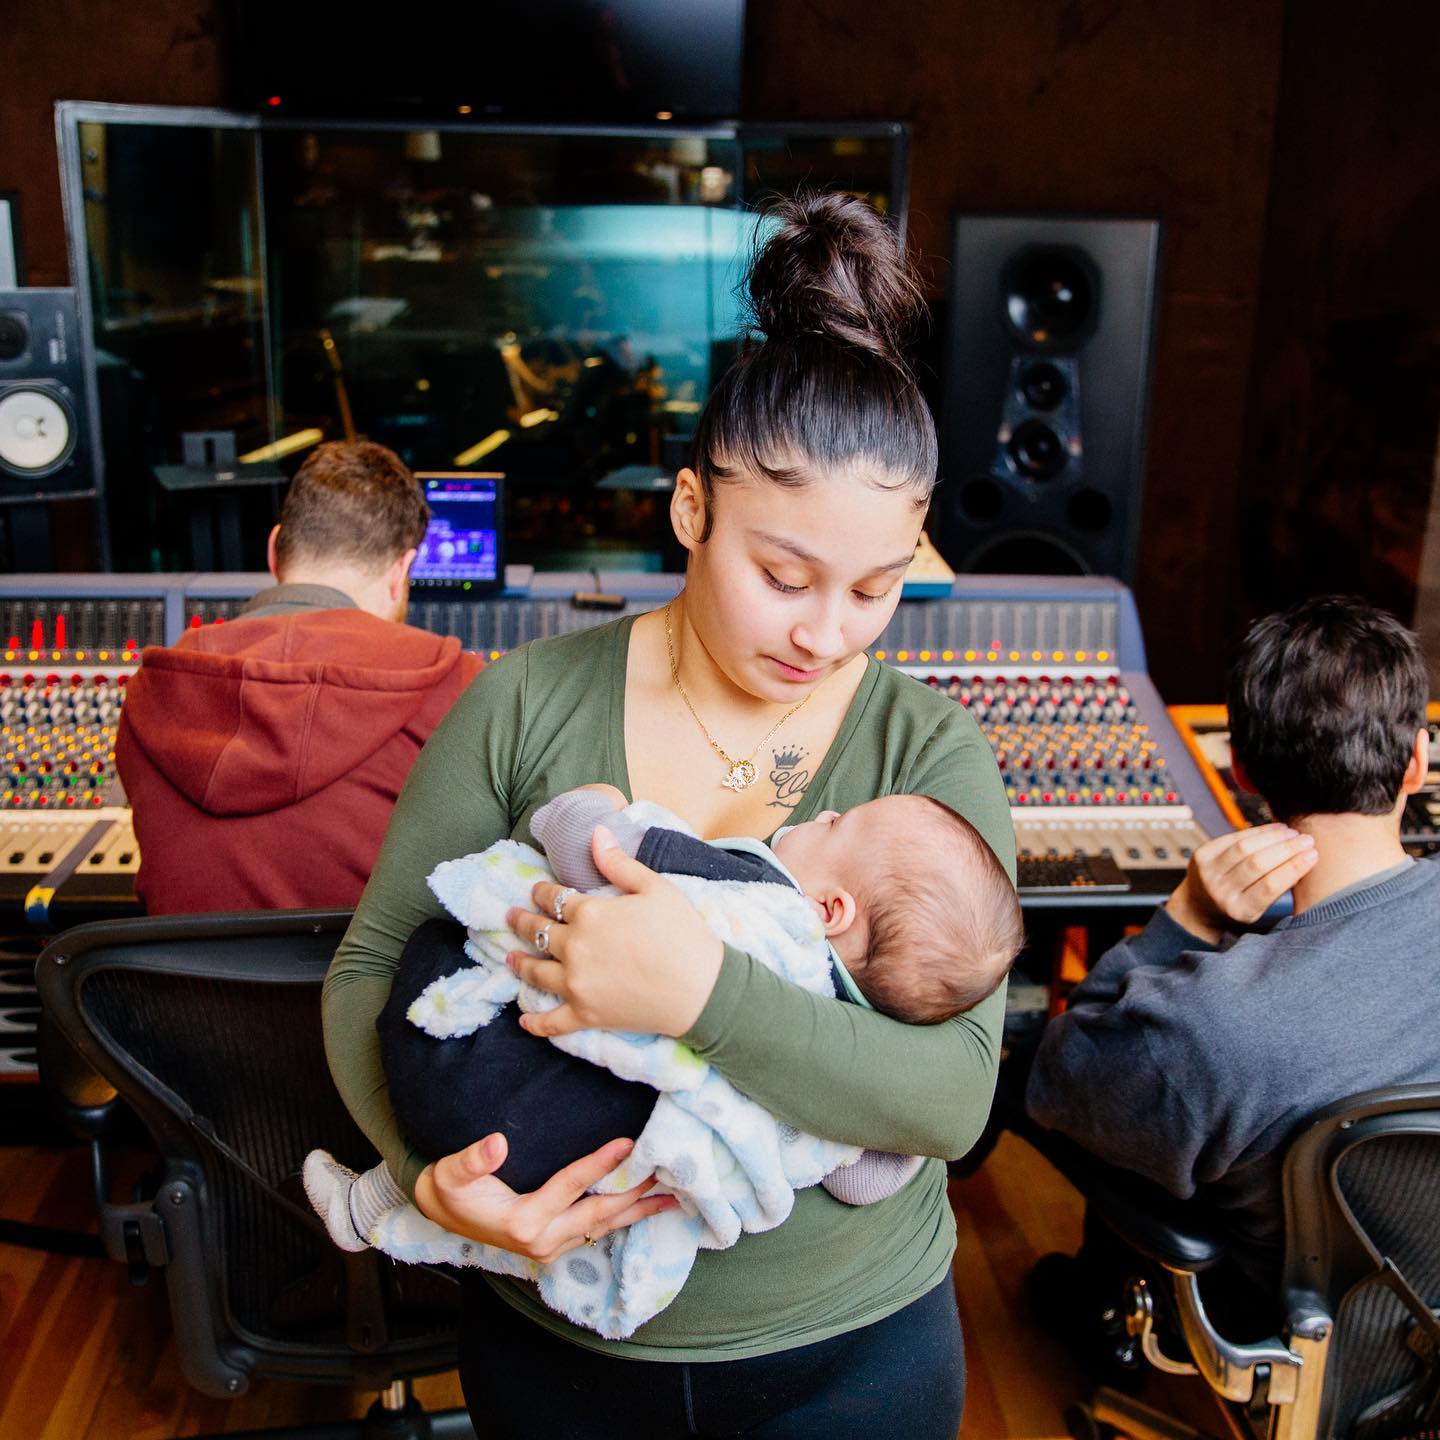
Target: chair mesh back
{"points": [[212, 1044], [1391, 1184]]}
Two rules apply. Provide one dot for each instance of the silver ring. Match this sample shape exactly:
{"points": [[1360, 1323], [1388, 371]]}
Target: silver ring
{"points": [[560, 901], [542, 939]]}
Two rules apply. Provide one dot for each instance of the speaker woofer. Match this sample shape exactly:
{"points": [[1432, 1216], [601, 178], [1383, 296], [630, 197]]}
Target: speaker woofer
{"points": [[1049, 296], [1036, 451], [37, 430]]}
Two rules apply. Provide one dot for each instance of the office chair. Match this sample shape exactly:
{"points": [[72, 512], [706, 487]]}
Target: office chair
{"points": [[1357, 1356], [208, 1027]]}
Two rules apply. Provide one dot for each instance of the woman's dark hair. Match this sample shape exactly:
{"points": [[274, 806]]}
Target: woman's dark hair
{"points": [[836, 300], [1325, 699]]}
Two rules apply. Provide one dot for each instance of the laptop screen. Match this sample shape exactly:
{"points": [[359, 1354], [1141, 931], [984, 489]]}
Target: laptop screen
{"points": [[463, 548]]}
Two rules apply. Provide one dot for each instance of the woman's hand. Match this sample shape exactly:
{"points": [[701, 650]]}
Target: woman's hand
{"points": [[1234, 879], [461, 1193], [642, 961]]}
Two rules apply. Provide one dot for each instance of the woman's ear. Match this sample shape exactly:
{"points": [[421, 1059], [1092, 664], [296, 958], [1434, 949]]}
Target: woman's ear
{"points": [[687, 509]]}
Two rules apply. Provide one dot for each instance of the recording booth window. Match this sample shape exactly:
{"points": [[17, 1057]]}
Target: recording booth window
{"points": [[552, 304]]}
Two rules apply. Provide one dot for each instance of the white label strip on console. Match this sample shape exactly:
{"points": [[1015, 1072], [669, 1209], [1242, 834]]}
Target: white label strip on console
{"points": [[1077, 815], [1006, 673]]}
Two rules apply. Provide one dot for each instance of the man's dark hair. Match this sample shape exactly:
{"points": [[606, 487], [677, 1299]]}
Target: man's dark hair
{"points": [[352, 501], [1325, 699]]}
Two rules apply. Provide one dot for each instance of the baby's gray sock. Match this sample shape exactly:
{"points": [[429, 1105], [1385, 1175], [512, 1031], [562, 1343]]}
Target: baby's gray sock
{"points": [[876, 1175], [373, 1195], [564, 825]]}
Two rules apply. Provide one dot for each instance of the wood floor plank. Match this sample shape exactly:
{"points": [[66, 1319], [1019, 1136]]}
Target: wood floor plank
{"points": [[1031, 1377], [29, 1368]]}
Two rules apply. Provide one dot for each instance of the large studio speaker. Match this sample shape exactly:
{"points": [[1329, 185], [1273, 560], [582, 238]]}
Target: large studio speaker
{"points": [[1046, 378], [46, 445]]}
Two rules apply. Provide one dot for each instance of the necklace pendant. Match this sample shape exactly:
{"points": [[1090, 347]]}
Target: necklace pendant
{"points": [[741, 776]]}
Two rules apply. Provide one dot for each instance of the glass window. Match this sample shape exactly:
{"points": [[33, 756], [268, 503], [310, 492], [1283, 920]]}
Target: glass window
{"points": [[554, 305]]}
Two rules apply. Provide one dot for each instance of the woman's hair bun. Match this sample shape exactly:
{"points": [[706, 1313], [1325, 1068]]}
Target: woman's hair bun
{"points": [[832, 266]]}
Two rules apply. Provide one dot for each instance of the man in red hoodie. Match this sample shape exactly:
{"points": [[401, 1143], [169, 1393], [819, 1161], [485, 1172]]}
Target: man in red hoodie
{"points": [[263, 757]]}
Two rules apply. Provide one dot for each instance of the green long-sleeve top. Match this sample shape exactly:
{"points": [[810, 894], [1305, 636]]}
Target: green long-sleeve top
{"points": [[549, 717]]}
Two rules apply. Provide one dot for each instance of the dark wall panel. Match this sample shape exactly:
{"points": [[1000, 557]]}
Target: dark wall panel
{"points": [[1119, 108], [154, 52], [1345, 389]]}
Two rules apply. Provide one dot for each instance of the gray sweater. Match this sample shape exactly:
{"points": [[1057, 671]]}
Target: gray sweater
{"points": [[1192, 1064]]}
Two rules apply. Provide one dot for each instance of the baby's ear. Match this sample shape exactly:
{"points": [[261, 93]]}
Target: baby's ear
{"points": [[837, 910]]}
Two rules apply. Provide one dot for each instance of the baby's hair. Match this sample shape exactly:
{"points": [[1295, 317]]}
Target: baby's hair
{"points": [[946, 898], [835, 298]]}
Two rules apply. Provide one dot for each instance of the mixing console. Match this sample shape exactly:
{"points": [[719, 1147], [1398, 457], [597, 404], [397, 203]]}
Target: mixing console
{"points": [[1107, 803], [1052, 669]]}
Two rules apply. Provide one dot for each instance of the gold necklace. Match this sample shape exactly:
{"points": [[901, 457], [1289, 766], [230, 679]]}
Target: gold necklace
{"points": [[742, 773]]}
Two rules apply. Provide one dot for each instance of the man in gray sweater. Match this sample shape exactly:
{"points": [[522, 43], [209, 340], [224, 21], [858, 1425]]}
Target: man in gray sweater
{"points": [[1191, 1052]]}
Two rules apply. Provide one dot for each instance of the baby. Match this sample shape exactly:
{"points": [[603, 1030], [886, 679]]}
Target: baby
{"points": [[921, 920]]}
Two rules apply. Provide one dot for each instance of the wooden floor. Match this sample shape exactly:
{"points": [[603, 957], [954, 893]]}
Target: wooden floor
{"points": [[84, 1356]]}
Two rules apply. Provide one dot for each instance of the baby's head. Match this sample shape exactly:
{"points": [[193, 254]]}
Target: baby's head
{"points": [[916, 904]]}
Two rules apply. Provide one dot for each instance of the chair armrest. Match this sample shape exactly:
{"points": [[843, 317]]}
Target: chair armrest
{"points": [[1179, 1234]]}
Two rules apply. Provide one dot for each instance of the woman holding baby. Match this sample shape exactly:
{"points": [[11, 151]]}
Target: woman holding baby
{"points": [[746, 705]]}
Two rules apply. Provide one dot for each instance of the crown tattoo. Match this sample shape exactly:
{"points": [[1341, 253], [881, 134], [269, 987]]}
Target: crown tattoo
{"points": [[788, 759]]}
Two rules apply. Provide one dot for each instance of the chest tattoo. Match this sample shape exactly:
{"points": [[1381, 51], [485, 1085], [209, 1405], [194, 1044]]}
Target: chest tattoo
{"points": [[789, 776]]}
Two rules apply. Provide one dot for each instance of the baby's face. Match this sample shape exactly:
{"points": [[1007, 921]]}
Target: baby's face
{"points": [[837, 849]]}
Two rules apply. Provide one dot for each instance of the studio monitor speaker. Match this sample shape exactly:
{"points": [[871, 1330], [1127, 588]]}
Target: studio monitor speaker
{"points": [[1046, 378], [46, 446]]}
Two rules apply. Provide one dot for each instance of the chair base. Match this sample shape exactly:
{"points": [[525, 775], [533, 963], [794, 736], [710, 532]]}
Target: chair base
{"points": [[50, 1239], [1111, 1412], [411, 1422]]}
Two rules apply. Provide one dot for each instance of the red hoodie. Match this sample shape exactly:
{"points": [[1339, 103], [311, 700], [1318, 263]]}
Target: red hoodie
{"points": [[262, 758]]}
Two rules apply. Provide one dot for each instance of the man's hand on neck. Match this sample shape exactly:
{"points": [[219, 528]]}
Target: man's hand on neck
{"points": [[1235, 878]]}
